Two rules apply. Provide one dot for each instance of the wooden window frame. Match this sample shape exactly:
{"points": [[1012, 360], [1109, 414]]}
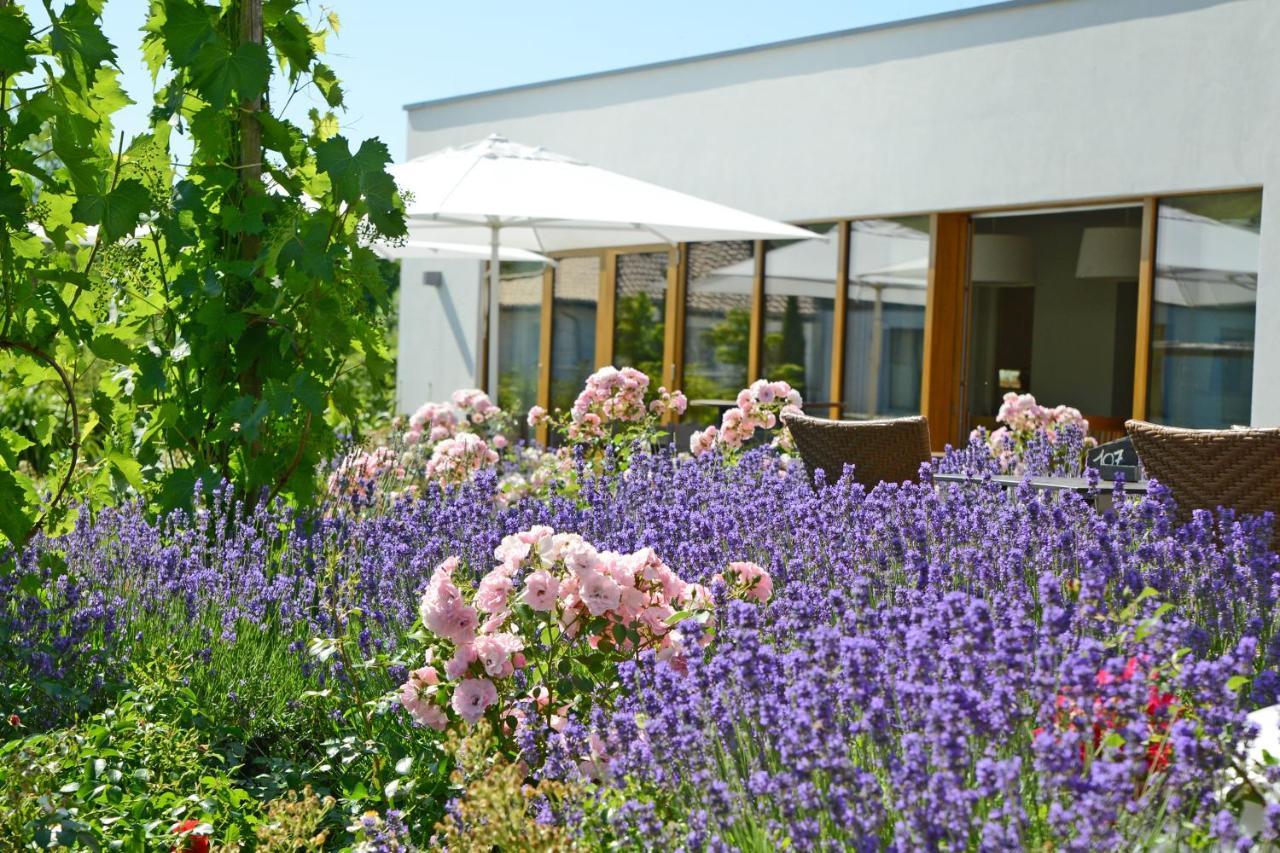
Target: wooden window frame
{"points": [[943, 373]]}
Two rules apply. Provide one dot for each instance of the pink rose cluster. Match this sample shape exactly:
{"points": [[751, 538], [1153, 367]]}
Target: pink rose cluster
{"points": [[482, 653], [566, 576], [469, 409], [758, 407], [1021, 413], [475, 405], [455, 459], [747, 581], [610, 395], [673, 402], [356, 476], [543, 580], [432, 422], [1021, 418]]}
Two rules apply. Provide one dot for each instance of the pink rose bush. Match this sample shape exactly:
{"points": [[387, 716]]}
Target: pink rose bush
{"points": [[455, 459], [611, 410], [759, 406], [613, 398], [1023, 421], [747, 581], [562, 614], [357, 476], [444, 442], [469, 410], [432, 422], [609, 396]]}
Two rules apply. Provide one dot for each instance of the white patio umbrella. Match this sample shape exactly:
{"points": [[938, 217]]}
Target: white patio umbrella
{"points": [[412, 249], [1202, 262], [507, 194]]}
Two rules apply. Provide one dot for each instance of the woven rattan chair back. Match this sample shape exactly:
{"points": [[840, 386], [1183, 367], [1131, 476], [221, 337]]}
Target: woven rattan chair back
{"points": [[1209, 468], [880, 451]]}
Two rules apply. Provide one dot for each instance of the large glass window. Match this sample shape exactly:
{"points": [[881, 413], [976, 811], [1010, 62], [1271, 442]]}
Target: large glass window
{"points": [[884, 325], [717, 325], [799, 305], [1053, 311], [639, 318], [573, 327], [519, 325], [1202, 323]]}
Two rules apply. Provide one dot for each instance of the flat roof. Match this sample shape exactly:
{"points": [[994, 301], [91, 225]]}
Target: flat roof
{"points": [[737, 51]]}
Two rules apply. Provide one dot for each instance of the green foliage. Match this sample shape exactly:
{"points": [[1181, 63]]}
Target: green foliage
{"points": [[124, 777], [639, 334], [731, 338], [58, 90], [196, 321], [269, 297]]}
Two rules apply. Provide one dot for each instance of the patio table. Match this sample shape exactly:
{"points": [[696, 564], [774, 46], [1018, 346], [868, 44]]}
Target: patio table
{"points": [[1079, 485]]}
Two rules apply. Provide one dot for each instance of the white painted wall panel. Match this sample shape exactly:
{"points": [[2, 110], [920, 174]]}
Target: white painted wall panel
{"points": [[437, 329]]}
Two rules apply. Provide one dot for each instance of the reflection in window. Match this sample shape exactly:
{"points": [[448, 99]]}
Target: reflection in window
{"points": [[640, 312], [519, 325], [799, 304], [573, 327], [717, 325], [1053, 311], [884, 326], [1202, 323]]}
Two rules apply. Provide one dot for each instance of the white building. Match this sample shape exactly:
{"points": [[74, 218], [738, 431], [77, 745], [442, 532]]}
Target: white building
{"points": [[1056, 196]]}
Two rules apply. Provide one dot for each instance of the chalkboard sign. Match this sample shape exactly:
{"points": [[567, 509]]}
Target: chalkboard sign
{"points": [[1113, 459]]}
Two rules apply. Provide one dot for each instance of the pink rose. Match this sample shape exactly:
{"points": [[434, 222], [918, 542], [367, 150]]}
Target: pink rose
{"points": [[463, 657], [494, 653], [540, 591], [456, 623], [472, 697], [492, 593], [599, 593]]}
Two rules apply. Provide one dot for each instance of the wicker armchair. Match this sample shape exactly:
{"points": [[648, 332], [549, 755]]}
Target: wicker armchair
{"points": [[1209, 468], [880, 451]]}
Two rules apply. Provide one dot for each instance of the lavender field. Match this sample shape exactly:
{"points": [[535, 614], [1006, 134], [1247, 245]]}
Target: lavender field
{"points": [[619, 645]]}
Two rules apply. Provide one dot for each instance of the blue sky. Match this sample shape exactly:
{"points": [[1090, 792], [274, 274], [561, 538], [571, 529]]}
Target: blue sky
{"points": [[393, 52]]}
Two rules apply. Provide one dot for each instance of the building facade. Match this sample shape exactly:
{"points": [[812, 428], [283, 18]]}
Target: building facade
{"points": [[1061, 197]]}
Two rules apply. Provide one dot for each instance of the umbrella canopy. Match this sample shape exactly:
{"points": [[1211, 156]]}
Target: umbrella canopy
{"points": [[507, 194], [411, 249], [889, 262], [1202, 262]]}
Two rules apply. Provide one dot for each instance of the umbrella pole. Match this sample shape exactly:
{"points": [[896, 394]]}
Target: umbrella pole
{"points": [[491, 385]]}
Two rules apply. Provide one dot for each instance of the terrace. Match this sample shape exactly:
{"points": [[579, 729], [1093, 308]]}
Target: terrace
{"points": [[850, 442]]}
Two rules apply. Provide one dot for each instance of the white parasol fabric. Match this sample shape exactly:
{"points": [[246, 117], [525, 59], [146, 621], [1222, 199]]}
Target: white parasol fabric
{"points": [[411, 249], [506, 194]]}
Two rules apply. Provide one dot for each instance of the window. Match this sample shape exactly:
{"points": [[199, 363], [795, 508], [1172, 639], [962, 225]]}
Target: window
{"points": [[1203, 305], [800, 307], [717, 326], [639, 318], [520, 332], [1053, 311], [884, 325], [573, 327]]}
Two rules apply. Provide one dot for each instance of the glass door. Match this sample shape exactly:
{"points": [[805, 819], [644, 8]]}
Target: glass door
{"points": [[1052, 307]]}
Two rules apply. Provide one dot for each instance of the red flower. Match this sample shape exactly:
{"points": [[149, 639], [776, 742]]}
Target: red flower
{"points": [[15, 720], [192, 843], [1107, 717]]}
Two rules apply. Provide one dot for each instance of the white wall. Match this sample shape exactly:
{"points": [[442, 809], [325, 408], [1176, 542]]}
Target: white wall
{"points": [[1032, 102], [438, 328]]}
